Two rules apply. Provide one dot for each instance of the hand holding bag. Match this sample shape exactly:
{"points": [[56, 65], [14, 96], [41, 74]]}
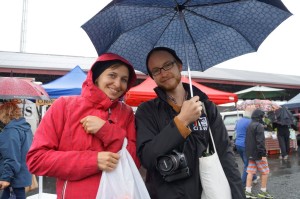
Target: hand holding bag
{"points": [[125, 182], [213, 179]]}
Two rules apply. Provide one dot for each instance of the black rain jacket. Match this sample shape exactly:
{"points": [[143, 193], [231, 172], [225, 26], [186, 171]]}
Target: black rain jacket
{"points": [[255, 137], [158, 135]]}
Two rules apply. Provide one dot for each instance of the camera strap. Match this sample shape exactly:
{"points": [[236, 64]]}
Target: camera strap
{"points": [[210, 133]]}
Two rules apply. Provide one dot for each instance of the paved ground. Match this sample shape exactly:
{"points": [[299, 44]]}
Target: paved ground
{"points": [[283, 183], [284, 177]]}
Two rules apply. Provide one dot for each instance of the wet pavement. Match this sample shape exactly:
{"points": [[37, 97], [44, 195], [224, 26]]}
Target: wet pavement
{"points": [[284, 177], [283, 182]]}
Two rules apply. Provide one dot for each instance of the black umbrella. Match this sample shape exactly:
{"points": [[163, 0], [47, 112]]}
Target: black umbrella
{"points": [[281, 116], [203, 32]]}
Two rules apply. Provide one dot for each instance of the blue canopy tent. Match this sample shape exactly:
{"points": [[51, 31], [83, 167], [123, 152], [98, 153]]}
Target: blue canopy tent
{"points": [[69, 84], [293, 103]]}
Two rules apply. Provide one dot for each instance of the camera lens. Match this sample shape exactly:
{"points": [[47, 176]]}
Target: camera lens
{"points": [[165, 164]]}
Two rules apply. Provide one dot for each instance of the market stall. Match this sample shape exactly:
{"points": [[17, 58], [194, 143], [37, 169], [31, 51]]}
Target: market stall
{"points": [[272, 144]]}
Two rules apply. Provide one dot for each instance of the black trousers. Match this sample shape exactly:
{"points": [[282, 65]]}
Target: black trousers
{"points": [[284, 144], [18, 192]]}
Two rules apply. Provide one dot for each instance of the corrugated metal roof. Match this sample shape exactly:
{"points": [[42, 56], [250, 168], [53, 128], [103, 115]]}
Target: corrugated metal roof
{"points": [[230, 76], [31, 61]]}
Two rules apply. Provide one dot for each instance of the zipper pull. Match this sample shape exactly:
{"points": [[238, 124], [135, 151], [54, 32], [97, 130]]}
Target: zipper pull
{"points": [[109, 113]]}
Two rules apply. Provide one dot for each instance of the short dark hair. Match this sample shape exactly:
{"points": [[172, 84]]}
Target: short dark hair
{"points": [[169, 50]]}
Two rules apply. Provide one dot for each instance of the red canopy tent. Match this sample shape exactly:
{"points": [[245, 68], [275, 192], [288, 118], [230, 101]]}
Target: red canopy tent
{"points": [[144, 92]]}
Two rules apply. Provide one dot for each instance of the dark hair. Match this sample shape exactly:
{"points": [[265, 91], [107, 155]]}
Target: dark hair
{"points": [[169, 50], [99, 67]]}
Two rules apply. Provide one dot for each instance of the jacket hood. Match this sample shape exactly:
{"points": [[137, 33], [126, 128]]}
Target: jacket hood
{"points": [[114, 57], [18, 124], [93, 93], [258, 115]]}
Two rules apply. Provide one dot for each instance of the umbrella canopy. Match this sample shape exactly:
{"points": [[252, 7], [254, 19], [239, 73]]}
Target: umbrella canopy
{"points": [[144, 92], [281, 116], [202, 32], [264, 105], [260, 92], [294, 102], [16, 88]]}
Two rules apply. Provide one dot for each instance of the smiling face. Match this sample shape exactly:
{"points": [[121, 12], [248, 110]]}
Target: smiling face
{"points": [[166, 79], [113, 81]]}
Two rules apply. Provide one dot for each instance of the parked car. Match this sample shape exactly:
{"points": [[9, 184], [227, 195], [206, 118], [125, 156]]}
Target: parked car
{"points": [[230, 118]]}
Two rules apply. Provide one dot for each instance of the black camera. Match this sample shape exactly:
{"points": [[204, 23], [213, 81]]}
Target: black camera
{"points": [[173, 166]]}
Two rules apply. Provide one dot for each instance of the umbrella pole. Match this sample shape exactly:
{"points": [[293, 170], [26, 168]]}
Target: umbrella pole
{"points": [[181, 16]]}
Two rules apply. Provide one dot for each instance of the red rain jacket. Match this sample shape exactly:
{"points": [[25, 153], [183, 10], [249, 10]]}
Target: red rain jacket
{"points": [[62, 149]]}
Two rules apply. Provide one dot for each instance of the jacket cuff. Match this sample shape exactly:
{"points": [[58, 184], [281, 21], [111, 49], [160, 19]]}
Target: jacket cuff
{"points": [[184, 130]]}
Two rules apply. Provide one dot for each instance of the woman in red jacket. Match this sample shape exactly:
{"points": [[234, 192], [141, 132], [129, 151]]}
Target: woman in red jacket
{"points": [[79, 136]]}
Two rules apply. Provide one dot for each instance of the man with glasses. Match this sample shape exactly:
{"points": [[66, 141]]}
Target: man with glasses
{"points": [[172, 133]]}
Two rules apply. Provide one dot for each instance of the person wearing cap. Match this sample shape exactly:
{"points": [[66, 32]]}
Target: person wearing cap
{"points": [[79, 136], [172, 133]]}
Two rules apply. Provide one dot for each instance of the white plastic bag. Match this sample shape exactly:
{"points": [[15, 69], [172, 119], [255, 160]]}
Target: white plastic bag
{"points": [[125, 182]]}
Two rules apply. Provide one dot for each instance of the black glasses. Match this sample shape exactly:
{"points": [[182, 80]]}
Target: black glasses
{"points": [[166, 66]]}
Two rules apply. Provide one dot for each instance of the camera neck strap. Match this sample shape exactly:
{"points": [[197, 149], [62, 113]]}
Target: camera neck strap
{"points": [[210, 133]]}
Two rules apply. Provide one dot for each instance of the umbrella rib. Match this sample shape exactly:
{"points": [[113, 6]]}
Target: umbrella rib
{"points": [[213, 4], [146, 23], [194, 43], [212, 20], [165, 28]]}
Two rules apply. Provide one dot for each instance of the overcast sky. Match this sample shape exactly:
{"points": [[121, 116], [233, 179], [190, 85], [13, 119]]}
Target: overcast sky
{"points": [[54, 27]]}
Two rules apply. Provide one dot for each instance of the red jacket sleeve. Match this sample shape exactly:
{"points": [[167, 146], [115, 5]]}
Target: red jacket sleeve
{"points": [[113, 135], [44, 158]]}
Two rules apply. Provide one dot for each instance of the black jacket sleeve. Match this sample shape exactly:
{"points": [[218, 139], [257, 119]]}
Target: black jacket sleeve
{"points": [[260, 141], [151, 143]]}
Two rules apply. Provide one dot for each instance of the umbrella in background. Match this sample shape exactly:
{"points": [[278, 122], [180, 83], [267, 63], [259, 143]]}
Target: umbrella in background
{"points": [[281, 116], [264, 105], [17, 88], [260, 92], [203, 32]]}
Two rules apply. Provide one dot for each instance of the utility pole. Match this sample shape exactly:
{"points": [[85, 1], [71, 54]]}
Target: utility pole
{"points": [[23, 27]]}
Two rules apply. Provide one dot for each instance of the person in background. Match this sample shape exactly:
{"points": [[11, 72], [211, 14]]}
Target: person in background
{"points": [[298, 143], [173, 125], [283, 136], [79, 136], [15, 140], [241, 130], [257, 155]]}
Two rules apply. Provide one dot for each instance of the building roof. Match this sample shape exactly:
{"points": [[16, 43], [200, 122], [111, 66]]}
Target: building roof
{"points": [[17, 62]]}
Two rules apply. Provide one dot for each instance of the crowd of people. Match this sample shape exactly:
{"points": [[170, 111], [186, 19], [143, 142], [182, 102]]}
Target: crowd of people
{"points": [[79, 136]]}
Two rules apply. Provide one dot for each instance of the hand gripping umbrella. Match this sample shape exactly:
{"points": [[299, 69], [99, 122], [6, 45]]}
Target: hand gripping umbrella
{"points": [[202, 32]]}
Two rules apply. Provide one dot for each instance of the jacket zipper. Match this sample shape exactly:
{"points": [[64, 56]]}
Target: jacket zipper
{"points": [[63, 192]]}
